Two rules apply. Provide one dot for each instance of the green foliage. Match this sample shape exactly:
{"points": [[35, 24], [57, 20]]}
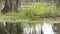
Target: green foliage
{"points": [[58, 11], [37, 10], [49, 10], [33, 11]]}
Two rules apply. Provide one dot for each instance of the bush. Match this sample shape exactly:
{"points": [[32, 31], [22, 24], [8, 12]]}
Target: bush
{"points": [[42, 9], [33, 10]]}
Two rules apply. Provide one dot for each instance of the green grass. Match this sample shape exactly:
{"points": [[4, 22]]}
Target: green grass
{"points": [[26, 14]]}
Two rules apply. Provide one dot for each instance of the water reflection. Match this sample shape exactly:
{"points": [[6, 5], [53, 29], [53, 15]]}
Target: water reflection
{"points": [[26, 29], [32, 30], [46, 29], [38, 29]]}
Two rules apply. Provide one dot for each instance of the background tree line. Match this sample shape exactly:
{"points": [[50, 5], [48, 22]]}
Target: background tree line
{"points": [[13, 5]]}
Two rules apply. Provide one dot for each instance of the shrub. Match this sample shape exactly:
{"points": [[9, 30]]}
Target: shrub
{"points": [[37, 10]]}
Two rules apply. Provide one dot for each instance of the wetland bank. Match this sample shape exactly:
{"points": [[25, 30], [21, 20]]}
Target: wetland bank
{"points": [[29, 16]]}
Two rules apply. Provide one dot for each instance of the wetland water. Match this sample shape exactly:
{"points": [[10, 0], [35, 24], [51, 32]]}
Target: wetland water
{"points": [[26, 28], [46, 29]]}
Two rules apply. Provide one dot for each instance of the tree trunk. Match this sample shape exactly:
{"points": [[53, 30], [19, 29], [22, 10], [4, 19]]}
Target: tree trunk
{"points": [[11, 4], [57, 3], [17, 5], [6, 7]]}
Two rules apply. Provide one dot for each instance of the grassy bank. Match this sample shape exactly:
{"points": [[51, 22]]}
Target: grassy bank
{"points": [[32, 14]]}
